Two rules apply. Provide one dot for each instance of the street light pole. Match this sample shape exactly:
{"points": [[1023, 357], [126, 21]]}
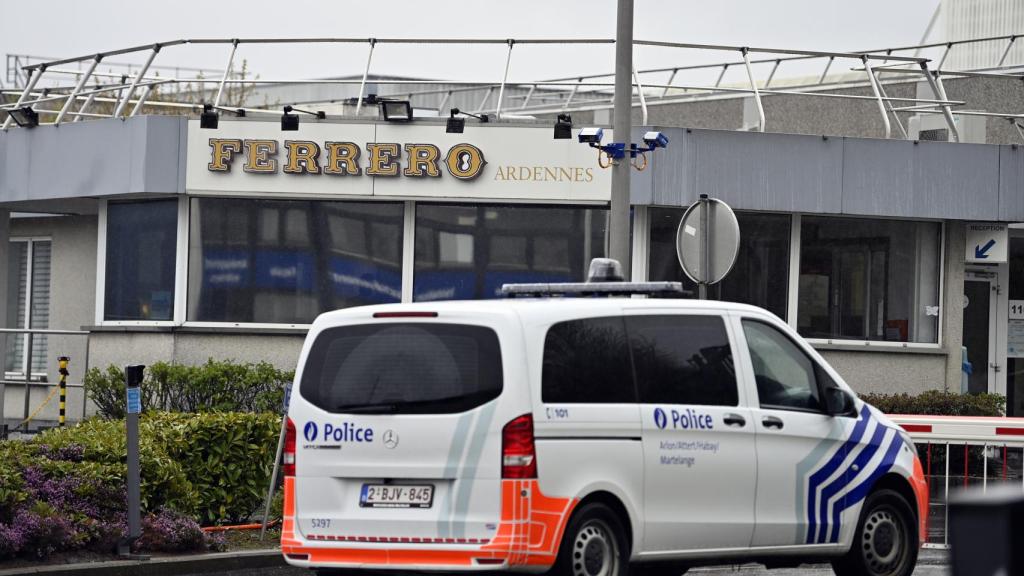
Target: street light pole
{"points": [[618, 224]]}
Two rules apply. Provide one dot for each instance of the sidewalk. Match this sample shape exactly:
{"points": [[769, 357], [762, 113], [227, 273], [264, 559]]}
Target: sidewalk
{"points": [[262, 562], [246, 561]]}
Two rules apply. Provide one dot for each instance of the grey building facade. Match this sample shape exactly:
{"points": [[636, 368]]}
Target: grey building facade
{"points": [[858, 242]]}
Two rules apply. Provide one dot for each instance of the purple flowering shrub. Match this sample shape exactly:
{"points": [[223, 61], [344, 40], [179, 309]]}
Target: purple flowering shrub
{"points": [[52, 501], [169, 531], [65, 489]]}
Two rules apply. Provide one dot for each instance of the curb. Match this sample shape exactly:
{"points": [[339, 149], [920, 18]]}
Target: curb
{"points": [[163, 565]]}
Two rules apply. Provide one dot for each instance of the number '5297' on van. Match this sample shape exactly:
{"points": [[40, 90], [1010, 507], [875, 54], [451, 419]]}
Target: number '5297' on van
{"points": [[587, 436]]}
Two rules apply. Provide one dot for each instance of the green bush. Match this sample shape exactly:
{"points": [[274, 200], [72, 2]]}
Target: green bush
{"points": [[214, 467], [227, 456], [216, 386], [938, 403]]}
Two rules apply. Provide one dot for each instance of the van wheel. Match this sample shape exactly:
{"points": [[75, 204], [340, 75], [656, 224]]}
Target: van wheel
{"points": [[886, 540], [594, 544]]}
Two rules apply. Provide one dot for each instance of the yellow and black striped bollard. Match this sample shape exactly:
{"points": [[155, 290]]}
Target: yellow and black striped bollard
{"points": [[63, 360]]}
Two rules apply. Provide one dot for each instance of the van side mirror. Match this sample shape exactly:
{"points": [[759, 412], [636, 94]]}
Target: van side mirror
{"points": [[839, 402]]}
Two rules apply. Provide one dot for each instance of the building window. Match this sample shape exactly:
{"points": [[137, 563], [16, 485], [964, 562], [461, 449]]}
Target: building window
{"points": [[864, 279], [287, 261], [760, 275], [140, 260], [467, 252], [28, 305]]}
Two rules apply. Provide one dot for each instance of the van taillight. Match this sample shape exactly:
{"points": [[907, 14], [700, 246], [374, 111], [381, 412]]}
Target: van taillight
{"points": [[289, 449], [518, 456]]}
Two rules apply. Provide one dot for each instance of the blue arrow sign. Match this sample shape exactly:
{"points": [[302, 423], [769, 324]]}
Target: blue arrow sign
{"points": [[981, 252]]}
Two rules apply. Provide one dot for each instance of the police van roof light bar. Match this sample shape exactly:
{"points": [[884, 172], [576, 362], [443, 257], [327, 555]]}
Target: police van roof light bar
{"points": [[592, 289]]}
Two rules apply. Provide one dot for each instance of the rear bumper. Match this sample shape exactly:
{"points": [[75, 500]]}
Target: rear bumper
{"points": [[526, 540], [403, 559]]}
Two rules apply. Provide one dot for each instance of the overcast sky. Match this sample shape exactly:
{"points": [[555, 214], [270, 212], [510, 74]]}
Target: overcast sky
{"points": [[71, 27]]}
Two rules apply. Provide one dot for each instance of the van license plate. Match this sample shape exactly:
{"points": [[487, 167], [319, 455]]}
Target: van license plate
{"points": [[396, 496]]}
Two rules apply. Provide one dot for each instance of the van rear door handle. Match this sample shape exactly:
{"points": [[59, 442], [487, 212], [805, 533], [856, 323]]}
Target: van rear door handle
{"points": [[734, 420], [772, 422]]}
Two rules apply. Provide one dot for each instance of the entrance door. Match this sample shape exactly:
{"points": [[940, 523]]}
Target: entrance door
{"points": [[980, 330]]}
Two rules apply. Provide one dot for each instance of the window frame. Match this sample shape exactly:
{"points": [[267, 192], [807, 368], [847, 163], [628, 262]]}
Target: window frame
{"points": [[641, 273], [405, 259], [794, 268], [180, 264], [30, 242]]}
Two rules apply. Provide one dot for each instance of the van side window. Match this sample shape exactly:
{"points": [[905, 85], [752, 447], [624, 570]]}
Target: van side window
{"points": [[587, 361], [682, 360], [785, 375]]}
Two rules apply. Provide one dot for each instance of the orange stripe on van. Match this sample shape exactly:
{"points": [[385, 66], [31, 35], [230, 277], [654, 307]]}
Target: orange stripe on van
{"points": [[528, 534], [920, 485]]}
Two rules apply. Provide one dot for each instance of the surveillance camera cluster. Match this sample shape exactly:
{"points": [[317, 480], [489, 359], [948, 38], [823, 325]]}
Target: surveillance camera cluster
{"points": [[608, 154]]}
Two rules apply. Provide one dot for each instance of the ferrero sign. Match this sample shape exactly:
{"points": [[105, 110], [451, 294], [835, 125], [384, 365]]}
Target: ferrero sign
{"points": [[405, 161], [462, 161]]}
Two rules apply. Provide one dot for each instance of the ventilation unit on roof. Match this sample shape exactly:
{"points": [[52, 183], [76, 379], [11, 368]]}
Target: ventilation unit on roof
{"points": [[933, 127]]}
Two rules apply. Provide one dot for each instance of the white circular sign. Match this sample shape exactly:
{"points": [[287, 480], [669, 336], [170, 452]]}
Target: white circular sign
{"points": [[723, 240]]}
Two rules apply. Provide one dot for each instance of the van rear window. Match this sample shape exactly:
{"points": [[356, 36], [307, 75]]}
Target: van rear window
{"points": [[403, 368]]}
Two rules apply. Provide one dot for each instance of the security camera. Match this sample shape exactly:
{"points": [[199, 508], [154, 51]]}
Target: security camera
{"points": [[655, 139], [591, 135]]}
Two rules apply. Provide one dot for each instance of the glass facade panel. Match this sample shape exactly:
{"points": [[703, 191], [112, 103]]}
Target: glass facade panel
{"points": [[286, 261], [761, 274], [864, 279], [141, 246], [466, 252]]}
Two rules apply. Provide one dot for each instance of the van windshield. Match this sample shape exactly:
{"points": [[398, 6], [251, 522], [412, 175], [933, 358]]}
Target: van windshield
{"points": [[403, 368]]}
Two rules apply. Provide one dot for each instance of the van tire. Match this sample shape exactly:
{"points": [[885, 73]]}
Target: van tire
{"points": [[594, 544], [886, 540]]}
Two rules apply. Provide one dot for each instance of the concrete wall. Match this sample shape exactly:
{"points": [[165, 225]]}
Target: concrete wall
{"points": [[118, 347], [844, 175], [888, 373], [72, 306]]}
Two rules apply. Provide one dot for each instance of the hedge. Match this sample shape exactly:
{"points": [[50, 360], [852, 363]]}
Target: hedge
{"points": [[64, 489], [938, 403], [216, 386]]}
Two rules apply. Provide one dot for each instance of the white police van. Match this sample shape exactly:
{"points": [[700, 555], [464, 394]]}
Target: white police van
{"points": [[588, 436]]}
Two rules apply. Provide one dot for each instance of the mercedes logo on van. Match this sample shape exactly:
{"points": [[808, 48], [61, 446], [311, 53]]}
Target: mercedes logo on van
{"points": [[660, 419], [309, 431], [390, 439]]}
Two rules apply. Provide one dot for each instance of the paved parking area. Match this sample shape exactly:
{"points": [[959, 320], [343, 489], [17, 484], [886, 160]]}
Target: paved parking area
{"points": [[823, 570]]}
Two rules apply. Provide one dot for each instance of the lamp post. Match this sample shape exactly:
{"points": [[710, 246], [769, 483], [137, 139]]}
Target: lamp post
{"points": [[618, 223]]}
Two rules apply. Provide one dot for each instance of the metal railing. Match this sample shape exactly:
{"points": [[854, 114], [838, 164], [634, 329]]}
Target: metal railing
{"points": [[962, 452], [127, 96], [27, 378]]}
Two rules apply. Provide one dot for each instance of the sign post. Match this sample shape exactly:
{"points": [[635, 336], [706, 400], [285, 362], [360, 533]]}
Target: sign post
{"points": [[707, 242], [133, 397], [277, 459], [63, 363]]}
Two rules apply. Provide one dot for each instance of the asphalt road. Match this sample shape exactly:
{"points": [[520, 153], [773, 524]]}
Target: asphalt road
{"points": [[747, 570], [822, 570]]}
